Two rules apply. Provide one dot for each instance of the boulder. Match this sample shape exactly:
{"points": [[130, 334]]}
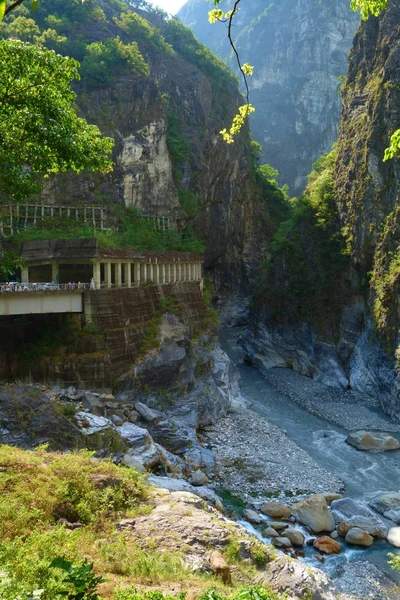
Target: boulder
{"points": [[219, 565], [393, 536], [199, 478], [278, 525], [134, 436], [133, 416], [201, 458], [142, 445], [331, 496], [171, 435], [117, 420], [282, 542], [388, 504], [313, 512], [252, 516], [327, 545], [372, 441], [148, 414], [90, 424], [359, 537], [276, 510], [364, 524], [352, 513], [270, 532], [180, 485], [295, 536], [130, 461]]}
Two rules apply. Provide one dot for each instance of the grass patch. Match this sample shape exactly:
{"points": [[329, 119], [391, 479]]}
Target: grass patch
{"points": [[232, 502]]}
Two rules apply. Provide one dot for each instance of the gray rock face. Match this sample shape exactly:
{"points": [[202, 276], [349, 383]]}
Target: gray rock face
{"points": [[28, 418], [372, 441], [388, 505], [90, 424], [350, 513], [299, 50], [149, 415]]}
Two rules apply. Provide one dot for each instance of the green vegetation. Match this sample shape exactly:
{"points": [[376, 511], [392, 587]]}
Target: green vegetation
{"points": [[39, 127], [232, 502], [71, 341], [183, 40], [309, 253], [138, 27], [134, 231], [58, 515], [384, 282], [178, 147], [101, 59], [189, 202]]}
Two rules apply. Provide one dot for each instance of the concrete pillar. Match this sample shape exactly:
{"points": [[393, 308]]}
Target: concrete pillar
{"points": [[162, 273], [96, 275], [25, 274], [118, 273], [143, 272], [107, 274], [55, 275], [167, 268], [156, 273], [183, 268], [128, 275], [136, 273], [149, 276]]}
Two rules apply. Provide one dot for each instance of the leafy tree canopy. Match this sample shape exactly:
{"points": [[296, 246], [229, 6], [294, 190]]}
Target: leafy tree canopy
{"points": [[40, 132]]}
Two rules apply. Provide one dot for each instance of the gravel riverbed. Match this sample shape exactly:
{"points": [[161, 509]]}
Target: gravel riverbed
{"points": [[343, 408], [256, 458]]}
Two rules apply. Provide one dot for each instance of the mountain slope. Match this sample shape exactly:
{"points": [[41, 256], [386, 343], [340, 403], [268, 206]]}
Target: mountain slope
{"points": [[299, 50]]}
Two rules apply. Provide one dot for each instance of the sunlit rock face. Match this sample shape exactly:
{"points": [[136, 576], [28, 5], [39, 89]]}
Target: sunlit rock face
{"points": [[299, 49]]}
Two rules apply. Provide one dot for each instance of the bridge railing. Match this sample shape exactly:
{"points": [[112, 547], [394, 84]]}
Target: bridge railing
{"points": [[43, 287]]}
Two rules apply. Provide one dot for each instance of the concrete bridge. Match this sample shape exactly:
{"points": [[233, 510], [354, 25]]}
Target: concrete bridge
{"points": [[59, 272], [41, 302]]}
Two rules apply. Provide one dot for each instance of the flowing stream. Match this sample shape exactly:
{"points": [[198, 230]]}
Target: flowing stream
{"points": [[363, 473]]}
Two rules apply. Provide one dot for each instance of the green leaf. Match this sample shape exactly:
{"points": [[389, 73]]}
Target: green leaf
{"points": [[2, 9], [34, 5]]}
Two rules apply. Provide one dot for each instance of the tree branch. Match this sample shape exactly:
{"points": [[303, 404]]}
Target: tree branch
{"points": [[12, 6]]}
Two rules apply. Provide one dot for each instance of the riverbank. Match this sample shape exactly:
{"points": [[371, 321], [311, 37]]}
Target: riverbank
{"points": [[316, 419], [257, 460], [345, 409]]}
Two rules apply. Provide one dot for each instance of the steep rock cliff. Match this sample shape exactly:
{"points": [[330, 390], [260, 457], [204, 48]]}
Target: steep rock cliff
{"points": [[170, 159], [351, 337], [299, 49]]}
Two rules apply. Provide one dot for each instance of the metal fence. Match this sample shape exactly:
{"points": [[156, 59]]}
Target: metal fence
{"points": [[43, 287]]}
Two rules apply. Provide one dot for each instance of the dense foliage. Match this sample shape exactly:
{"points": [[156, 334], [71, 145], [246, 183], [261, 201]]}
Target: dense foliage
{"points": [[134, 231], [40, 131], [308, 253]]}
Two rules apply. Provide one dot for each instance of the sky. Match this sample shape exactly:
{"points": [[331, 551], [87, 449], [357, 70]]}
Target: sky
{"points": [[170, 6]]}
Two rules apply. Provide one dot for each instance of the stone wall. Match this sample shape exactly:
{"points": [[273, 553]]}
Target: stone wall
{"points": [[120, 320]]}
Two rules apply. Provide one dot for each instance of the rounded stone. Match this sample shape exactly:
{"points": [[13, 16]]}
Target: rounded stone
{"points": [[278, 525], [327, 545], [276, 510], [270, 532], [393, 536], [282, 542], [334, 535], [359, 537], [295, 536]]}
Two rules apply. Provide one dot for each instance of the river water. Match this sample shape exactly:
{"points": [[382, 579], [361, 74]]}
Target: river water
{"points": [[363, 473]]}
